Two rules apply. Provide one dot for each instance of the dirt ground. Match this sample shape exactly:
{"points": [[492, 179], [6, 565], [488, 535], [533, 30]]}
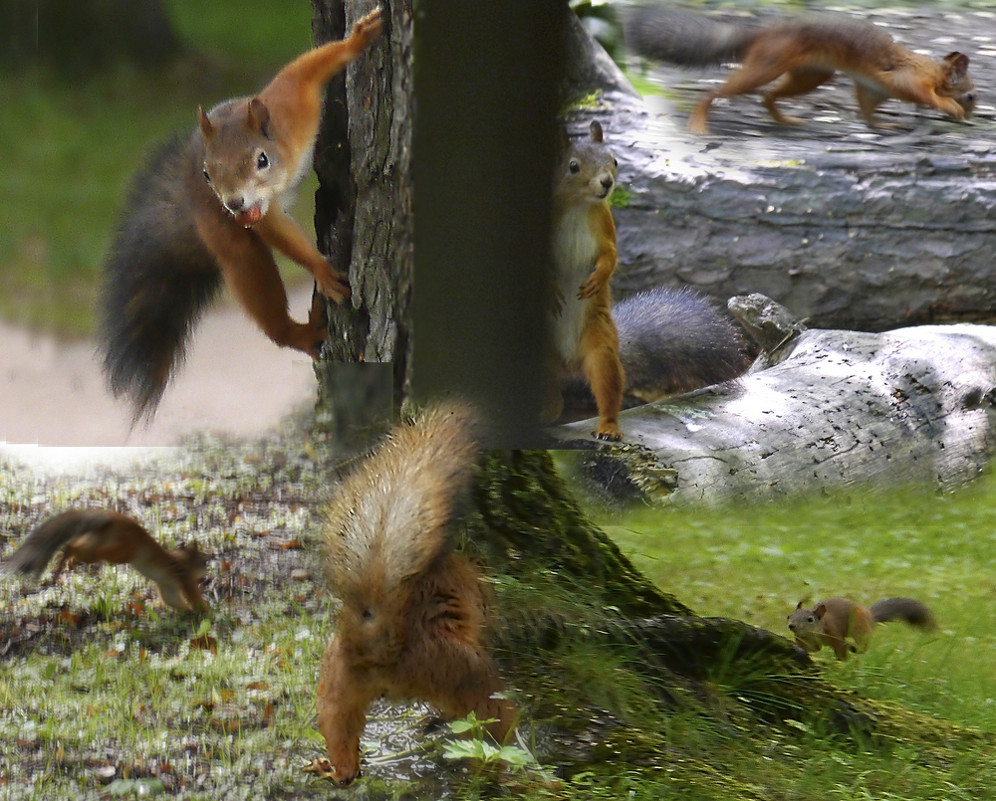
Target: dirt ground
{"points": [[235, 381]]}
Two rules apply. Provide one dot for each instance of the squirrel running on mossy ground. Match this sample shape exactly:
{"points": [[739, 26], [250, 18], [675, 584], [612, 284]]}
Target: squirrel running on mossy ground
{"points": [[670, 341], [584, 259], [830, 622], [211, 205], [414, 612], [96, 535], [807, 52]]}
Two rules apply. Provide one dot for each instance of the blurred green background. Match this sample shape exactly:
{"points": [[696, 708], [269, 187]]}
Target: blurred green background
{"points": [[71, 136]]}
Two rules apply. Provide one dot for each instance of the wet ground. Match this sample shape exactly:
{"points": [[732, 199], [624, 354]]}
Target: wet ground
{"points": [[235, 381]]}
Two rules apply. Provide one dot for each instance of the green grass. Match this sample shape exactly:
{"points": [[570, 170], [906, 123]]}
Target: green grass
{"points": [[71, 145], [756, 563], [102, 683]]}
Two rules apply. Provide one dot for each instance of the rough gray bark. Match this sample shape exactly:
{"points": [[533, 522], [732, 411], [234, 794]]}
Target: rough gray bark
{"points": [[837, 409], [848, 227], [363, 207]]}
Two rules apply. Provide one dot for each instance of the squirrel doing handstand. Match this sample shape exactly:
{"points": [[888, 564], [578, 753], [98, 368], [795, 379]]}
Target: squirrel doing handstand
{"points": [[212, 205], [414, 612]]}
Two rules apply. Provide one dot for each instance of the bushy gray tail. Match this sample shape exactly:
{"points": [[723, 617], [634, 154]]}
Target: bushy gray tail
{"points": [[664, 33], [908, 609], [41, 544], [158, 278], [670, 341]]}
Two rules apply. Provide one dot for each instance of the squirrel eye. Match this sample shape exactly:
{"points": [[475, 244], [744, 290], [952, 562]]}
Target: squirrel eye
{"points": [[574, 166], [615, 163], [262, 162], [207, 177]]}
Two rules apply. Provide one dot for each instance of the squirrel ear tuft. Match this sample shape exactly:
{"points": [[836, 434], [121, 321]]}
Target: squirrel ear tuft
{"points": [[205, 123], [595, 131], [259, 117], [956, 66], [799, 605]]}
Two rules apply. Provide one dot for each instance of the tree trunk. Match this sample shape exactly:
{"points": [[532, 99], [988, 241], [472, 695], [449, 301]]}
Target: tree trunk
{"points": [[561, 584], [363, 207], [839, 409]]}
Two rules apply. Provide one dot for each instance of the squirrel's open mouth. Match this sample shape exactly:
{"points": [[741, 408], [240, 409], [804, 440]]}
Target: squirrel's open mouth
{"points": [[249, 217]]}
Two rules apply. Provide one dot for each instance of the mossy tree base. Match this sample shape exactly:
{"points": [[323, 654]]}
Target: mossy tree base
{"points": [[600, 657]]}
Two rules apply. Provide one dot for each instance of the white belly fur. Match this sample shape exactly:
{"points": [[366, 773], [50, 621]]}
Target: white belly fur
{"points": [[574, 254]]}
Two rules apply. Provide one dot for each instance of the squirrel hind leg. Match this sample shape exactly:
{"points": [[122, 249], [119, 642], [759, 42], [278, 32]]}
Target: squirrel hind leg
{"points": [[602, 368], [251, 274], [454, 672]]}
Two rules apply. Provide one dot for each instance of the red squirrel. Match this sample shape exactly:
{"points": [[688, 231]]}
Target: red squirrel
{"points": [[209, 206], [415, 612], [96, 535], [584, 259], [805, 54], [831, 622]]}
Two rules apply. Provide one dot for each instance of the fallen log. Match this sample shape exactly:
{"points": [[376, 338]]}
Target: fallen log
{"points": [[822, 410]]}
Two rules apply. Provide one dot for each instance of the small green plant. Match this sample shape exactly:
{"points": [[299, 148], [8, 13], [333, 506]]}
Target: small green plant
{"points": [[479, 745]]}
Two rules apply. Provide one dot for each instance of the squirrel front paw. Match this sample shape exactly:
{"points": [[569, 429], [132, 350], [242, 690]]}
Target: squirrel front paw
{"points": [[332, 284], [590, 286], [367, 28]]}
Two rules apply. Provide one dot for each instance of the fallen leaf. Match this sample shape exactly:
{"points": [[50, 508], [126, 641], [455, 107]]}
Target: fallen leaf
{"points": [[70, 618]]}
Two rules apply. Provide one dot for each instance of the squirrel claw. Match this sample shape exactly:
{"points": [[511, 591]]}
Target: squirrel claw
{"points": [[369, 26], [588, 288], [608, 433], [332, 284]]}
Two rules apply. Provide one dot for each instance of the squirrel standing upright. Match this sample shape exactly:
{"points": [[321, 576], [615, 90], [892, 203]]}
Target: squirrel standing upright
{"points": [[832, 621], [807, 52], [212, 205], [584, 259], [96, 535], [414, 611]]}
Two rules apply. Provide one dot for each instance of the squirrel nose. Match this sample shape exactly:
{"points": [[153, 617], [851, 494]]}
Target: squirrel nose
{"points": [[607, 182], [235, 205]]}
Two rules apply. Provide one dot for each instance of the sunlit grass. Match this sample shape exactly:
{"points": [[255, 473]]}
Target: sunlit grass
{"points": [[755, 563]]}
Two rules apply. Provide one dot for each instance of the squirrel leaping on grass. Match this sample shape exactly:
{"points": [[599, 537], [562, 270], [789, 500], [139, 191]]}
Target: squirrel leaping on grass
{"points": [[835, 620]]}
